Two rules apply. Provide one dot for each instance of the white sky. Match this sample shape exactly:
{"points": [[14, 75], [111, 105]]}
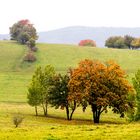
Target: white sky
{"points": [[52, 14]]}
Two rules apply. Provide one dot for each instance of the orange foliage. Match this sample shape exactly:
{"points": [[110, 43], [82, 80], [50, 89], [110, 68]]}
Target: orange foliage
{"points": [[100, 85]]}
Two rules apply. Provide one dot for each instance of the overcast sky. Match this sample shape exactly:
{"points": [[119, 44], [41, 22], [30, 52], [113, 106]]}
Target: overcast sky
{"points": [[52, 14]]}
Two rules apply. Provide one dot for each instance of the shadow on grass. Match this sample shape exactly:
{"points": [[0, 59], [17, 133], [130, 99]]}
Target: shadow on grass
{"points": [[76, 121], [61, 118]]}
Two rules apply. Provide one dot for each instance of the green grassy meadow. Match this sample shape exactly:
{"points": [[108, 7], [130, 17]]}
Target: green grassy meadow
{"points": [[15, 76]]}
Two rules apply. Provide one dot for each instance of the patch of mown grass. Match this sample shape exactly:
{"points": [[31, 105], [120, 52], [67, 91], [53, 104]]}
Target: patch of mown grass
{"points": [[13, 87], [63, 56], [11, 55]]}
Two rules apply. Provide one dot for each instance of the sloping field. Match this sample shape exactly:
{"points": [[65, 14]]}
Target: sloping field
{"points": [[15, 76], [16, 73]]}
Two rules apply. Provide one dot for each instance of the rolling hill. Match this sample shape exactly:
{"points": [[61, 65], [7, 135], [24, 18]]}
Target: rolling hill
{"points": [[62, 57], [14, 72], [72, 35]]}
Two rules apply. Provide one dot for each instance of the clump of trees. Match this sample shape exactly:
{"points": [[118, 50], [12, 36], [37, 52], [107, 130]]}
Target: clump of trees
{"points": [[92, 83], [87, 42], [22, 31], [120, 42], [25, 33]]}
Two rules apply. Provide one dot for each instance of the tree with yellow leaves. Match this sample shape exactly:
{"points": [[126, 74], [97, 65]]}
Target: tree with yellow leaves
{"points": [[135, 43]]}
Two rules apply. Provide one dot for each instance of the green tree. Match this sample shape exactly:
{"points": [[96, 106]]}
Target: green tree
{"points": [[128, 40], [120, 44], [23, 31], [101, 85], [31, 44], [58, 95], [136, 84], [115, 42], [39, 87], [34, 96]]}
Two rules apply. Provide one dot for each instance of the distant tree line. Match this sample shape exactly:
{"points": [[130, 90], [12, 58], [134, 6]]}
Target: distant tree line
{"points": [[123, 42], [25, 33], [93, 83]]}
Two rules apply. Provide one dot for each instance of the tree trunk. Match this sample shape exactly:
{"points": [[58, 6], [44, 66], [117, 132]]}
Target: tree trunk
{"points": [[36, 111], [96, 119], [73, 110], [67, 112], [96, 113], [46, 108]]}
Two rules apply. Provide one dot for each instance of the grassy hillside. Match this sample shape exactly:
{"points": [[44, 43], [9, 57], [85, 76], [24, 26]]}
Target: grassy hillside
{"points": [[16, 73], [63, 56], [11, 55], [15, 76]]}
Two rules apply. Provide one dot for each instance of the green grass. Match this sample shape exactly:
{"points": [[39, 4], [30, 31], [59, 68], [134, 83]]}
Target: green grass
{"points": [[52, 127], [11, 55], [13, 87], [64, 56], [15, 76]]}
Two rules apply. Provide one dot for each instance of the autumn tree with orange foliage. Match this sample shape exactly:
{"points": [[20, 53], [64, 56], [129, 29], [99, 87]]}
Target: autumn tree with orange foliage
{"points": [[100, 85], [87, 42]]}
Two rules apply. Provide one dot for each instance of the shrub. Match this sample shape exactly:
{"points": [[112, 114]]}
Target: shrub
{"points": [[17, 120], [31, 43], [87, 42], [34, 49], [30, 57]]}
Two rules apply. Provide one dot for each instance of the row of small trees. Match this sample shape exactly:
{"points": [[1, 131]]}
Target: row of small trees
{"points": [[126, 42], [123, 42], [92, 83], [25, 33]]}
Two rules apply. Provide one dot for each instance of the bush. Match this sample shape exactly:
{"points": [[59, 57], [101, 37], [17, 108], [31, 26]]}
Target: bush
{"points": [[30, 57], [17, 120], [87, 42], [34, 49], [31, 43]]}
